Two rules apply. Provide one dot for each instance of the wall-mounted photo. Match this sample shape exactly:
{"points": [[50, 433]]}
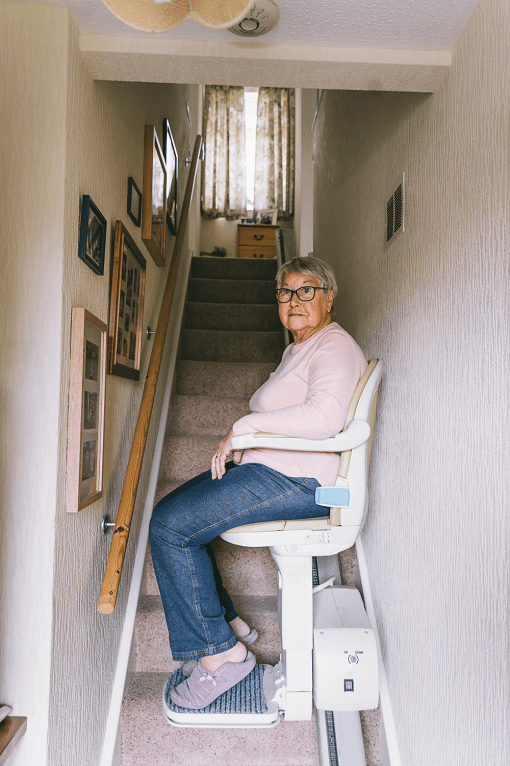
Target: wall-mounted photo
{"points": [[91, 246], [154, 196], [172, 169], [267, 217], [85, 430], [127, 291], [134, 202]]}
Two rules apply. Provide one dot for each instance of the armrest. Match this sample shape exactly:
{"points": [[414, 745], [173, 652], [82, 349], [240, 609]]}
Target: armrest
{"points": [[356, 433]]}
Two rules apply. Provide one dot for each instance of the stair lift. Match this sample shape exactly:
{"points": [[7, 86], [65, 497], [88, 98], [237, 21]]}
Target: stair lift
{"points": [[328, 647]]}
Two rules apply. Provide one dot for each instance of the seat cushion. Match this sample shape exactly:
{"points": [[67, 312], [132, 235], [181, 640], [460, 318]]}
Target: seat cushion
{"points": [[278, 526]]}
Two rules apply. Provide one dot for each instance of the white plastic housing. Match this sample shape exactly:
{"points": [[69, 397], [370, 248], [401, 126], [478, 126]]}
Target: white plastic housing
{"points": [[345, 665]]}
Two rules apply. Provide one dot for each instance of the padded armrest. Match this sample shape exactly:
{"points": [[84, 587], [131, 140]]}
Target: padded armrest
{"points": [[356, 433]]}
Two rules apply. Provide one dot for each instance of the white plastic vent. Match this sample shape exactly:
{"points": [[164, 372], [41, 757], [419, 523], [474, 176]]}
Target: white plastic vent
{"points": [[395, 212]]}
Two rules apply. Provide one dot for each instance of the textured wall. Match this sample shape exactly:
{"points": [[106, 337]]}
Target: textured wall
{"points": [[32, 122], [65, 136], [434, 307]]}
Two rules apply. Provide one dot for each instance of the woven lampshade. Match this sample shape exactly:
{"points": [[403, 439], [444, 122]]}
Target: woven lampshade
{"points": [[149, 16]]}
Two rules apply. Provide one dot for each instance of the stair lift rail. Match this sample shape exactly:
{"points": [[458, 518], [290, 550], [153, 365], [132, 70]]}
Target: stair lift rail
{"points": [[118, 545]]}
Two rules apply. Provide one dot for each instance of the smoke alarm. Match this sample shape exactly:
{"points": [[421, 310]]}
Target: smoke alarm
{"points": [[261, 17]]}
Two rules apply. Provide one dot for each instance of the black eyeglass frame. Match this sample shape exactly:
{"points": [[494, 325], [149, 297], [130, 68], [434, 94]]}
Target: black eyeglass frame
{"points": [[296, 292]]}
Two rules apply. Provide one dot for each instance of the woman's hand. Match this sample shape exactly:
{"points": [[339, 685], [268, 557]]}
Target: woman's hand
{"points": [[223, 450]]}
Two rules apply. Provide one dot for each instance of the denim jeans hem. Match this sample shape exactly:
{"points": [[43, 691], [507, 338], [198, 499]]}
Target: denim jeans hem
{"points": [[186, 656]]}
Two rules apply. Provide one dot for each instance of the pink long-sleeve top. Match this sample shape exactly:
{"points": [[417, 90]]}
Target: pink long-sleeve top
{"points": [[307, 396]]}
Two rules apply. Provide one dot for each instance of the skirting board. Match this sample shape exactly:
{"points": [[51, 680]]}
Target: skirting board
{"points": [[389, 753], [110, 751]]}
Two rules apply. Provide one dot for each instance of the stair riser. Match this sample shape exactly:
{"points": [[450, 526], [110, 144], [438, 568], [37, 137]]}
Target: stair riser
{"points": [[205, 345], [233, 268], [245, 572], [185, 457], [204, 415], [220, 316], [235, 380], [231, 291], [153, 654]]}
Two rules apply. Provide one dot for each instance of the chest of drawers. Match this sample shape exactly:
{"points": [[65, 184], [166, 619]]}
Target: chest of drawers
{"points": [[256, 240]]}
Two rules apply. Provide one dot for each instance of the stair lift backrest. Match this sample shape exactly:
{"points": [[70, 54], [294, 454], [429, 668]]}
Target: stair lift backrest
{"points": [[354, 464]]}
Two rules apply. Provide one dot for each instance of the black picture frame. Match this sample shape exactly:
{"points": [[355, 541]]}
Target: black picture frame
{"points": [[172, 167], [134, 202], [92, 241]]}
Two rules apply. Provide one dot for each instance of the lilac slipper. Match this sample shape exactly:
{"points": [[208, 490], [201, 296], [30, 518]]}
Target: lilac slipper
{"points": [[203, 686], [189, 667]]}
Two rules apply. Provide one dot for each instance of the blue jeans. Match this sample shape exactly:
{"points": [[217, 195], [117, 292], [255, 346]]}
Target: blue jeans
{"points": [[197, 607]]}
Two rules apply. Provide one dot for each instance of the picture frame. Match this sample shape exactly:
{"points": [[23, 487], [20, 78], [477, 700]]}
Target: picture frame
{"points": [[85, 430], [267, 217], [134, 202], [154, 196], [127, 293], [92, 240], [172, 170]]}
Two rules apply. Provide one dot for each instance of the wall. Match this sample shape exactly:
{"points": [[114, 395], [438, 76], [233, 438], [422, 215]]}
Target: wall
{"points": [[32, 123], [58, 653], [434, 307]]}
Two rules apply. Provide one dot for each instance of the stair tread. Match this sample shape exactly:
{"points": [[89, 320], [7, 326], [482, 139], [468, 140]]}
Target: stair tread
{"points": [[147, 737]]}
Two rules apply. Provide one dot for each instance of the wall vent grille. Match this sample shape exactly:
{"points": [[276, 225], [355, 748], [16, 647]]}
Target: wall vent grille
{"points": [[395, 212]]}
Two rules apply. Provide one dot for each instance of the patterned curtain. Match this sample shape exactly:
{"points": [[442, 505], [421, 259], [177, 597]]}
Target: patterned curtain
{"points": [[224, 167], [275, 152]]}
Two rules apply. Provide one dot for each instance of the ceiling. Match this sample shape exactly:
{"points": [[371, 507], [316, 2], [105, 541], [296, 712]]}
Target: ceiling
{"points": [[397, 24]]}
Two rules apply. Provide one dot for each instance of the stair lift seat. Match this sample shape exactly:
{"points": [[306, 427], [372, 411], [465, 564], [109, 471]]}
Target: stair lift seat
{"points": [[289, 687]]}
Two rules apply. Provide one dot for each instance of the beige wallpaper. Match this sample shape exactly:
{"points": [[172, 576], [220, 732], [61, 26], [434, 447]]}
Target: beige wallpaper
{"points": [[434, 307], [33, 50], [66, 136]]}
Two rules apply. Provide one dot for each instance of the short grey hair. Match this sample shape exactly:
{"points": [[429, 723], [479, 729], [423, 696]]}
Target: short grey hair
{"points": [[310, 267]]}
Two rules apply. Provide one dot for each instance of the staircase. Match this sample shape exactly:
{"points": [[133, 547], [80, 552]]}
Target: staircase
{"points": [[231, 341]]}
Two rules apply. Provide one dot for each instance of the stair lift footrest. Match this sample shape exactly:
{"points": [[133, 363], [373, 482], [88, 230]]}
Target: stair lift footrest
{"points": [[248, 704]]}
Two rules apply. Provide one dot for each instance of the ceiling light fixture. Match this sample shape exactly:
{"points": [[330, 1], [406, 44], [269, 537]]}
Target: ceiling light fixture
{"points": [[160, 15], [261, 17]]}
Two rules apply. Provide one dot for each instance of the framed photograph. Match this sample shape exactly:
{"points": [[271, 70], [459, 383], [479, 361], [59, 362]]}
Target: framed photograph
{"points": [[127, 291], [172, 167], [92, 242], [267, 216], [154, 196], [134, 203], [85, 430]]}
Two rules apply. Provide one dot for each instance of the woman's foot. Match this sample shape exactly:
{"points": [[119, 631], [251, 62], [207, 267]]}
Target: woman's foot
{"points": [[204, 685], [243, 632]]}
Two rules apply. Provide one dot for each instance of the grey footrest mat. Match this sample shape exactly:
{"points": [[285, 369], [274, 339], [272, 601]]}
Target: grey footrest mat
{"points": [[245, 697]]}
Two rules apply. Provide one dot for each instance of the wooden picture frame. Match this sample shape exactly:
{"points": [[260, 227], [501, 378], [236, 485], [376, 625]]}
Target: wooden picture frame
{"points": [[127, 292], [134, 202], [154, 196], [172, 171], [85, 429], [92, 241]]}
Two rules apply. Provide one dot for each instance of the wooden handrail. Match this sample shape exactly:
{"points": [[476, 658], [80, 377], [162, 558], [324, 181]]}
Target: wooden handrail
{"points": [[115, 561]]}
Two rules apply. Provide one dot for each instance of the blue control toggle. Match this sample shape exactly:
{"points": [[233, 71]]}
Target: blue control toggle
{"points": [[338, 497]]}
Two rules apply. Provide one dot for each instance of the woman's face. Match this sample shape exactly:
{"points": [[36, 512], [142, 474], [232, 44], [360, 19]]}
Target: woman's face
{"points": [[304, 318]]}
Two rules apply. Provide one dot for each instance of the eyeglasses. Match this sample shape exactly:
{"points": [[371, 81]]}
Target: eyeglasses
{"points": [[284, 295]]}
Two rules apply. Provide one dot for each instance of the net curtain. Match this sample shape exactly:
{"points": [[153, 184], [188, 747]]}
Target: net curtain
{"points": [[275, 151], [224, 167]]}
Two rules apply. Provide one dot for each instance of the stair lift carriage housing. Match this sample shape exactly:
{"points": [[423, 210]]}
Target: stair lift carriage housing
{"points": [[325, 624]]}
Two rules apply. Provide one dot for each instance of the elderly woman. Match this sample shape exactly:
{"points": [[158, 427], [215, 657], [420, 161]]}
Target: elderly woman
{"points": [[307, 396]]}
